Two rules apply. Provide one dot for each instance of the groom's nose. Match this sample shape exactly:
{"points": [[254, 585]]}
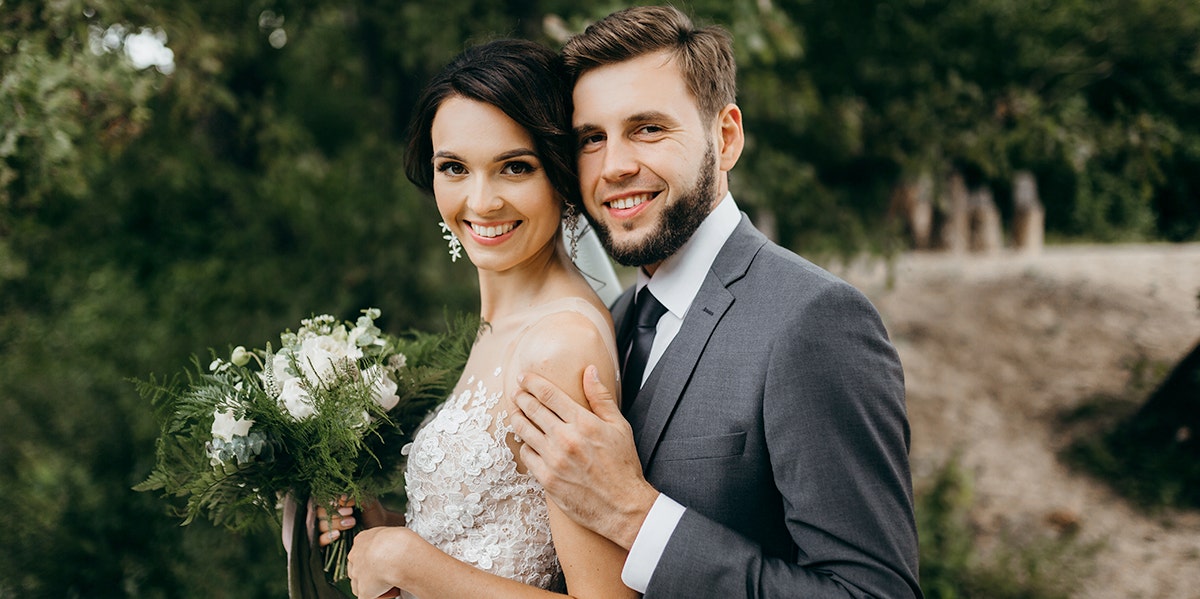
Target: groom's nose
{"points": [[619, 160]]}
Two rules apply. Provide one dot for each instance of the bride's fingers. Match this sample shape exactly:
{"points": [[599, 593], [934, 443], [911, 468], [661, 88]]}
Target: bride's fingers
{"points": [[331, 528], [329, 537]]}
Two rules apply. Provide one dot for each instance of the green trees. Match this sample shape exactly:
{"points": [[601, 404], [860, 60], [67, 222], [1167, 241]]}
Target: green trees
{"points": [[885, 91], [252, 178]]}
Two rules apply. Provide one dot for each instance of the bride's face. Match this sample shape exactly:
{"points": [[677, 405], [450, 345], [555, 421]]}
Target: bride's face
{"points": [[490, 186]]}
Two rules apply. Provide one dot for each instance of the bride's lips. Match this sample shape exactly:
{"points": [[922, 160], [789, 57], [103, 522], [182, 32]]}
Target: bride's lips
{"points": [[630, 205], [492, 233]]}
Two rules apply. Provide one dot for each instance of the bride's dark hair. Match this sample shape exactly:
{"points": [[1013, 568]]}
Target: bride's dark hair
{"points": [[525, 81]]}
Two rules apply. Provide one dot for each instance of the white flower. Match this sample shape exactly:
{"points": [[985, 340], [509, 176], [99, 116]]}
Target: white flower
{"points": [[278, 369], [295, 399], [240, 356], [321, 356], [225, 426], [398, 361], [383, 386]]}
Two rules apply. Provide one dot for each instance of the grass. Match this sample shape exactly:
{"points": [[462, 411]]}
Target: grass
{"points": [[1027, 563]]}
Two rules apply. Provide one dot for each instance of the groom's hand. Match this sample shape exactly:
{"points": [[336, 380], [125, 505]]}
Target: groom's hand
{"points": [[586, 460]]}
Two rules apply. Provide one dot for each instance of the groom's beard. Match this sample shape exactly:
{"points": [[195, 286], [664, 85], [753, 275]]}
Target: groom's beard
{"points": [[676, 224]]}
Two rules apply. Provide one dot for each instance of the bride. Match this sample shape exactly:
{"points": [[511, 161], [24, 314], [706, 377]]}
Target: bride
{"points": [[491, 140]]}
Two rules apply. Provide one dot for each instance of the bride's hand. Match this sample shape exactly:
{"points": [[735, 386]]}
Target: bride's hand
{"points": [[373, 514], [332, 525], [375, 554]]}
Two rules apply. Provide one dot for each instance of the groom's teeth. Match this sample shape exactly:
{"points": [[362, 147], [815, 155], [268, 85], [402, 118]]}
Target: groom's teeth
{"points": [[629, 202], [492, 231]]}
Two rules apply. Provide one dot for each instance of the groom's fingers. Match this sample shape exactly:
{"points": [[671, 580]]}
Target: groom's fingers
{"points": [[562, 407], [599, 397], [527, 431]]}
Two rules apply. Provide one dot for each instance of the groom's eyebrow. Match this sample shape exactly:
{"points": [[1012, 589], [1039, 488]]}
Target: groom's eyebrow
{"points": [[584, 128], [649, 116]]}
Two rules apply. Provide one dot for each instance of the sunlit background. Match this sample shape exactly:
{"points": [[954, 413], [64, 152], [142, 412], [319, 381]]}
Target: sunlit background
{"points": [[1016, 184]]}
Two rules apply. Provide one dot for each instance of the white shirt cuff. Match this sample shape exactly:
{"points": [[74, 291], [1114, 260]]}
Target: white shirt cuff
{"points": [[651, 540]]}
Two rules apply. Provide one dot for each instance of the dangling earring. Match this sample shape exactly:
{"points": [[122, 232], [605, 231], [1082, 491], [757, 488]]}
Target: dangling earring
{"points": [[571, 223], [453, 242]]}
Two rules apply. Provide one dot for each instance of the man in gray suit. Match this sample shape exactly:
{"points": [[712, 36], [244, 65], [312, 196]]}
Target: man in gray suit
{"points": [[766, 452]]}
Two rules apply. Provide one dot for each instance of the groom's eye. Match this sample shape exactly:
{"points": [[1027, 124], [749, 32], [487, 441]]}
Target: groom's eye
{"points": [[650, 130], [590, 141]]}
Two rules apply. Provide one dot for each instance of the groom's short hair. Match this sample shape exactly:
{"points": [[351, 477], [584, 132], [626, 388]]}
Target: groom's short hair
{"points": [[704, 55]]}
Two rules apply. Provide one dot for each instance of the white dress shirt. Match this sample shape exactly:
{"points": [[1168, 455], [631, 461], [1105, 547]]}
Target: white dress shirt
{"points": [[675, 283]]}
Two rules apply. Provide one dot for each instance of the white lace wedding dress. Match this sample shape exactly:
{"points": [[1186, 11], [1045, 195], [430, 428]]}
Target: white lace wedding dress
{"points": [[465, 493]]}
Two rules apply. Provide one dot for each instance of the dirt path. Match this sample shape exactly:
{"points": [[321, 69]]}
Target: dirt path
{"points": [[996, 348]]}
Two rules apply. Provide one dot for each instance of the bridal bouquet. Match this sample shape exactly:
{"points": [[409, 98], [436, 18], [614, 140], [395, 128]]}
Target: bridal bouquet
{"points": [[321, 417]]}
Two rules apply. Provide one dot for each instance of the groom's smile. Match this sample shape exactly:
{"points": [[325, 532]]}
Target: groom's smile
{"points": [[625, 207]]}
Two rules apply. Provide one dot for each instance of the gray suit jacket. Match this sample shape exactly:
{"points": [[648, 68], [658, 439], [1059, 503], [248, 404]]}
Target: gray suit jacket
{"points": [[777, 417]]}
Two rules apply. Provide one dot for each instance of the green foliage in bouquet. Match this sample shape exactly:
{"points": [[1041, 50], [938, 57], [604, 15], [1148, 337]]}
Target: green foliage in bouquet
{"points": [[322, 417]]}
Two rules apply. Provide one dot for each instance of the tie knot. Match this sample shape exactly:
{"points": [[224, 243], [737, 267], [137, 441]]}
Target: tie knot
{"points": [[649, 309]]}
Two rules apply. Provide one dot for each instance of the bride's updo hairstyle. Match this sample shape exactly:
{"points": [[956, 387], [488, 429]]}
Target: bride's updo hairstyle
{"points": [[521, 78]]}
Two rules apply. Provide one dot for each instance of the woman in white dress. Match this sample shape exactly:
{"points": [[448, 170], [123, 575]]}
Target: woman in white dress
{"points": [[491, 140]]}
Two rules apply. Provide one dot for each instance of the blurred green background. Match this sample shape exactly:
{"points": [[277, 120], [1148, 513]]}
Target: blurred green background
{"points": [[177, 175]]}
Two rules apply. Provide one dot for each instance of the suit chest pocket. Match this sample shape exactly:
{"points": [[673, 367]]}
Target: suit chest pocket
{"points": [[699, 448]]}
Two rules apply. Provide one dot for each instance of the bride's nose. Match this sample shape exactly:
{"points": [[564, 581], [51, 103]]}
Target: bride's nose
{"points": [[483, 197]]}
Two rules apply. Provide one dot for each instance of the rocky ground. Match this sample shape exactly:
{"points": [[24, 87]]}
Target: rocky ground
{"points": [[996, 349]]}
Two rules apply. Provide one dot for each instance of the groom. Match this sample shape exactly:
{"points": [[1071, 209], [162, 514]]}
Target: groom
{"points": [[766, 451]]}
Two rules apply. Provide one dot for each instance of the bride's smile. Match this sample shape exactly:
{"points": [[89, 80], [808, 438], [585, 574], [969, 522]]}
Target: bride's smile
{"points": [[492, 232]]}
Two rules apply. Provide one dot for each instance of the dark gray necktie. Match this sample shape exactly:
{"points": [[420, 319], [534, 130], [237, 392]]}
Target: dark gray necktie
{"points": [[647, 310]]}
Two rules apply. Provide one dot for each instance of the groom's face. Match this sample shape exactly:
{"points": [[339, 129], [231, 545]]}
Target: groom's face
{"points": [[647, 167]]}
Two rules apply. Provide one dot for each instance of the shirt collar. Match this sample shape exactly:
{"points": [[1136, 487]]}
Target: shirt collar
{"points": [[677, 280]]}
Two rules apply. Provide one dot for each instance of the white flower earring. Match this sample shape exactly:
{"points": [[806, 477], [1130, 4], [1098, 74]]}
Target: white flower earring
{"points": [[571, 224], [452, 241]]}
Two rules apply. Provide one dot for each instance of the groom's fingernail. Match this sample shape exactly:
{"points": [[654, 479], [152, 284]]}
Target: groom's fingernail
{"points": [[521, 378], [595, 374]]}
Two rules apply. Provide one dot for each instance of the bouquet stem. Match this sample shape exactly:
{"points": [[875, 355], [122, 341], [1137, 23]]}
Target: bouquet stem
{"points": [[336, 554]]}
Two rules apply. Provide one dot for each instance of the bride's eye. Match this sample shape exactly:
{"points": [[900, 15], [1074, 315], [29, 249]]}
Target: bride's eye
{"points": [[518, 167], [451, 168]]}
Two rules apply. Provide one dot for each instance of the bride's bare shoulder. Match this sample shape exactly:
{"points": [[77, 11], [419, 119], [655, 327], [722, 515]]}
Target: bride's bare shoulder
{"points": [[560, 345]]}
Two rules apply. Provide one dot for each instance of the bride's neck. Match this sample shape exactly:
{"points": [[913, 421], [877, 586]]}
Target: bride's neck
{"points": [[517, 289]]}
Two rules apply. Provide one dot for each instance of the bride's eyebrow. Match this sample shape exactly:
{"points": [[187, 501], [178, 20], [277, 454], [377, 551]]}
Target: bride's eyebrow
{"points": [[517, 153], [448, 155]]}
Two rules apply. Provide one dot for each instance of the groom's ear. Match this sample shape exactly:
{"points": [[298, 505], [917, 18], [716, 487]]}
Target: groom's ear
{"points": [[731, 138]]}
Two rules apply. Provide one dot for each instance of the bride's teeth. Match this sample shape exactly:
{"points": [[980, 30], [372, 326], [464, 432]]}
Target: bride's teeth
{"points": [[492, 231], [629, 202]]}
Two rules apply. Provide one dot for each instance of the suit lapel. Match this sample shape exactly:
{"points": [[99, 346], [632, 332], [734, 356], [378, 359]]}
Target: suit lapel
{"points": [[674, 370]]}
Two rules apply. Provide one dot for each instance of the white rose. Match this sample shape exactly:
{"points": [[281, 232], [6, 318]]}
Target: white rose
{"points": [[320, 356], [226, 427], [296, 400], [383, 386]]}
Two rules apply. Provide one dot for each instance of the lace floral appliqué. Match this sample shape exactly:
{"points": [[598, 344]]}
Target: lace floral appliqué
{"points": [[466, 497]]}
